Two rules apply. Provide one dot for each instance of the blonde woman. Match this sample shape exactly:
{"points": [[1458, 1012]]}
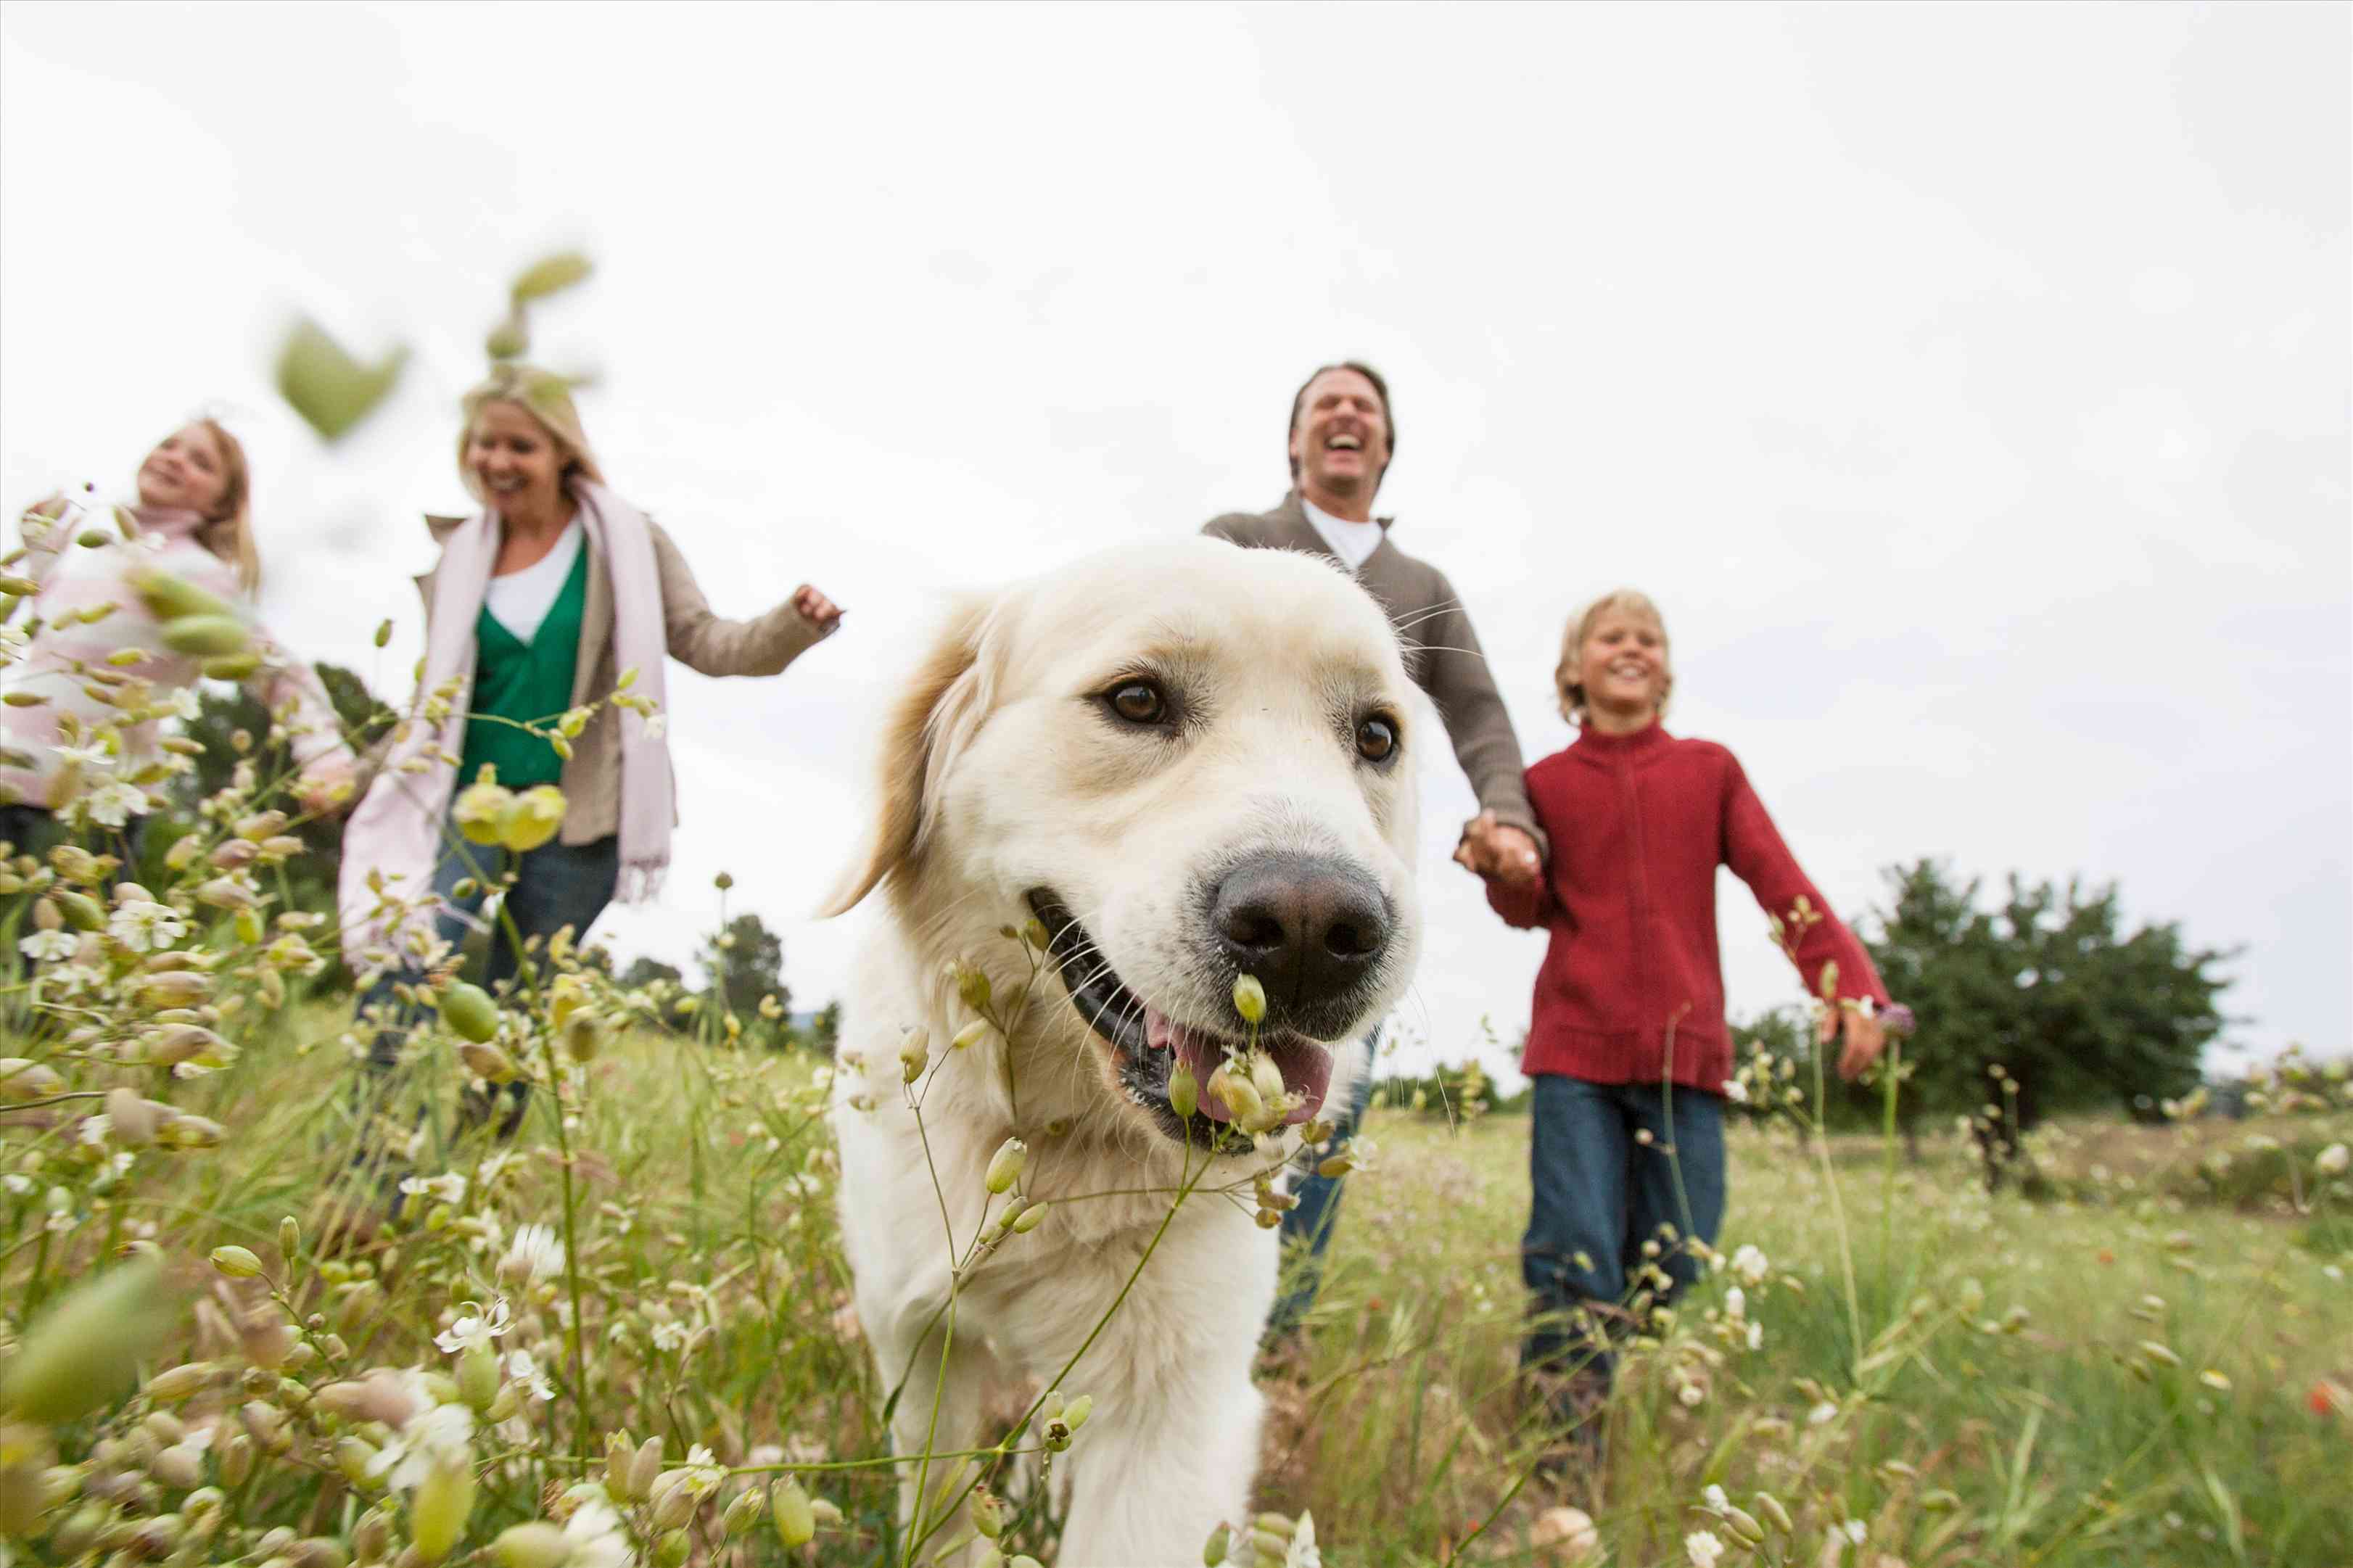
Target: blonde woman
{"points": [[70, 758], [540, 600]]}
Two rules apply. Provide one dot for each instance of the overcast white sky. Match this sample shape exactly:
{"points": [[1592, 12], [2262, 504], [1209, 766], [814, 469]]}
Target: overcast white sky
{"points": [[1969, 384]]}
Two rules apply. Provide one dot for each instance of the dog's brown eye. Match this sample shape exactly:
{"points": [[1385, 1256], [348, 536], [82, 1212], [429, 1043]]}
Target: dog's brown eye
{"points": [[1376, 739], [1139, 702]]}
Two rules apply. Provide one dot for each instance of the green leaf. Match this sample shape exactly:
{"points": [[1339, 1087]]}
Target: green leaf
{"points": [[331, 390], [551, 275]]}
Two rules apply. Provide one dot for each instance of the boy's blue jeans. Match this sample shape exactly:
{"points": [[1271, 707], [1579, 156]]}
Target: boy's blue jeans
{"points": [[556, 885], [1307, 1230], [1599, 1193]]}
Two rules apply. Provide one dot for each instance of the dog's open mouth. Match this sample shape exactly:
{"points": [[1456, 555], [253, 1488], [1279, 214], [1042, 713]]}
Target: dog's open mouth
{"points": [[1148, 1045]]}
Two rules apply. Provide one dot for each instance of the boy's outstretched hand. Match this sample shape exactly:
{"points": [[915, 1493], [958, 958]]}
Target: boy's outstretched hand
{"points": [[1866, 1037], [1499, 852]]}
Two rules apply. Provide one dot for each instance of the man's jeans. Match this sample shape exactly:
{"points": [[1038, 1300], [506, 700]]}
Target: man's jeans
{"points": [[1307, 1230], [1600, 1193], [555, 885]]}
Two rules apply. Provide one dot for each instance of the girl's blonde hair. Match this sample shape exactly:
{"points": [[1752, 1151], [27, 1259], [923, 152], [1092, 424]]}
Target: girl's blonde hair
{"points": [[1568, 679], [227, 532], [547, 398]]}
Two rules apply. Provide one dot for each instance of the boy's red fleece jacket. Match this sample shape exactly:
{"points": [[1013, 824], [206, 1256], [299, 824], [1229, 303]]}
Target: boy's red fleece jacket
{"points": [[1639, 823]]}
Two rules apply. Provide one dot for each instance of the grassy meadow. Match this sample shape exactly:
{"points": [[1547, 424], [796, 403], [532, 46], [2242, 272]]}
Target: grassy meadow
{"points": [[2144, 1368]]}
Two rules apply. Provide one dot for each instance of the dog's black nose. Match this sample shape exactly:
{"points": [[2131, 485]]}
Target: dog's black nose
{"points": [[1309, 926]]}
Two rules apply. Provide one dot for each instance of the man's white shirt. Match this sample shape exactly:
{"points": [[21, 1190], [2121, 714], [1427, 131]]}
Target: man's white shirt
{"points": [[1351, 541]]}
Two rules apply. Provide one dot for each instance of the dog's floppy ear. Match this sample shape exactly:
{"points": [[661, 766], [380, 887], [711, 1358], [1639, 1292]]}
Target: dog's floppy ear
{"points": [[934, 718]]}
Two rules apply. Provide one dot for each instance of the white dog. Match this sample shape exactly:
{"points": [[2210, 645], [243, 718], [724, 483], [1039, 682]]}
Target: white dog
{"points": [[1175, 765]]}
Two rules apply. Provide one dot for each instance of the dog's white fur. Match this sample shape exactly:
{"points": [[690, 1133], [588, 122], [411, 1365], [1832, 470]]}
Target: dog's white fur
{"points": [[1003, 774]]}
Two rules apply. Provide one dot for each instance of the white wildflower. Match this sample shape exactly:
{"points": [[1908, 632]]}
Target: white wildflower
{"points": [[2334, 1160], [1715, 1498], [48, 946], [17, 1182], [597, 1537], [94, 757], [114, 804], [1750, 1265], [94, 1128], [669, 1335], [524, 1370], [142, 926], [1823, 1414], [1703, 1549], [534, 1255], [186, 703], [476, 1327], [1302, 1552], [441, 1433], [449, 1186]]}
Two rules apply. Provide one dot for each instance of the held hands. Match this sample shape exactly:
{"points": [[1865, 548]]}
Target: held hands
{"points": [[817, 608], [1499, 852], [1866, 1037]]}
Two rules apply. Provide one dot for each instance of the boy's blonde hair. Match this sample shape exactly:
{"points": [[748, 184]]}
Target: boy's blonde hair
{"points": [[1568, 679], [547, 398]]}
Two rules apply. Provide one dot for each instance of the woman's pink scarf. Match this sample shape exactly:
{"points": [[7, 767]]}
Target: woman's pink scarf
{"points": [[396, 831]]}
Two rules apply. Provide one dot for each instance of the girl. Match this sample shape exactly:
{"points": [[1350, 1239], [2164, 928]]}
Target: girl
{"points": [[540, 600], [70, 758], [1627, 1043]]}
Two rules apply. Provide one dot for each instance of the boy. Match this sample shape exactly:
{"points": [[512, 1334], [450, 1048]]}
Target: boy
{"points": [[1627, 1042]]}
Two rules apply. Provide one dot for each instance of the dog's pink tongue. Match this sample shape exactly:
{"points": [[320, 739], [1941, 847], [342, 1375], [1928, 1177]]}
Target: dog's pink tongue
{"points": [[1306, 1068]]}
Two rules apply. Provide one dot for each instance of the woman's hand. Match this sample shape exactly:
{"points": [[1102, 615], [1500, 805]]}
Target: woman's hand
{"points": [[1866, 1037], [817, 608]]}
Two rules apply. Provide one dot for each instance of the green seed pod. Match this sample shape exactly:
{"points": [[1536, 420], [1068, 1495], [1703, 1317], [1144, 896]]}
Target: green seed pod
{"points": [[531, 818], [372, 1535], [318, 1551], [549, 275], [743, 1513], [82, 911], [18, 587], [81, 1354], [507, 340], [790, 1508], [487, 1061], [1213, 1551], [1075, 1414], [1183, 1093], [232, 665], [1743, 1524], [644, 1468], [210, 636], [171, 598], [237, 1460], [175, 1384], [383, 633], [987, 1513], [971, 1035], [1267, 1079], [1775, 1514], [674, 1505], [1250, 998], [1005, 1166], [1031, 1216], [470, 1011], [538, 1544], [478, 1377], [445, 1499], [354, 1457], [178, 1467], [620, 1453], [972, 985], [236, 1262], [672, 1549]]}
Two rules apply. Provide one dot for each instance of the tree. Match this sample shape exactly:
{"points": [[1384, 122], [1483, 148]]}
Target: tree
{"points": [[2049, 989], [224, 712], [825, 1029], [746, 963]]}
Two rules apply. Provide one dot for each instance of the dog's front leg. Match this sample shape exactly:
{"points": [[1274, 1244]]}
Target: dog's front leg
{"points": [[941, 1381], [1151, 1477]]}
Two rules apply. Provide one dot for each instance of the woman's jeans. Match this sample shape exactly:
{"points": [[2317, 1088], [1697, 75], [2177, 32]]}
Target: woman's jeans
{"points": [[1600, 1192], [556, 885]]}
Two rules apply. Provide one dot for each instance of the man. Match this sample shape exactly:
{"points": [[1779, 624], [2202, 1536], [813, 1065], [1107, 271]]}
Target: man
{"points": [[1340, 441]]}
